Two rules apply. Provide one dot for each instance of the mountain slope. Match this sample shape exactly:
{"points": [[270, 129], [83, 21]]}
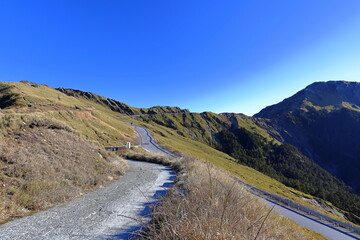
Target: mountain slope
{"points": [[239, 136], [249, 143], [327, 96], [102, 120], [254, 142], [324, 122], [51, 148], [117, 106]]}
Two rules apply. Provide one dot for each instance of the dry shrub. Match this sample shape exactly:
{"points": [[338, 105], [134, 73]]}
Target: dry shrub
{"points": [[152, 157], [44, 164], [214, 206]]}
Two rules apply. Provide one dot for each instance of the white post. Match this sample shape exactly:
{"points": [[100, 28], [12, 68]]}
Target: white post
{"points": [[128, 145]]}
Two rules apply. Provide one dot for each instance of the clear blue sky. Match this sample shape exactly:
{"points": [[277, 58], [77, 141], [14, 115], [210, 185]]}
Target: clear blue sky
{"points": [[235, 56]]}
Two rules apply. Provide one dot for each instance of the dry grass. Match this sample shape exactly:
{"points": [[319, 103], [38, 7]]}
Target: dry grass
{"points": [[44, 164], [168, 138], [50, 149], [152, 157], [94, 121], [214, 206]]}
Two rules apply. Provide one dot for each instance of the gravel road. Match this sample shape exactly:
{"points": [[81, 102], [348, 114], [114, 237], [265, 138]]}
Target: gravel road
{"points": [[100, 214]]}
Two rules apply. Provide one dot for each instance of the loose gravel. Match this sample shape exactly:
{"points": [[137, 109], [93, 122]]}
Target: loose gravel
{"points": [[108, 213]]}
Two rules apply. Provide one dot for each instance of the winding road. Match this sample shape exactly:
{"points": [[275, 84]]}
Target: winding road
{"points": [[107, 213], [314, 222], [149, 144]]}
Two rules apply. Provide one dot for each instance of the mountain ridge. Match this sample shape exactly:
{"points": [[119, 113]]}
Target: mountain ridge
{"points": [[331, 95], [118, 106]]}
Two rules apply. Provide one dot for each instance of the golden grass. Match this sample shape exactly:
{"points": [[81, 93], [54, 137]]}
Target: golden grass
{"points": [[94, 121], [53, 149], [46, 164], [214, 206], [41, 95]]}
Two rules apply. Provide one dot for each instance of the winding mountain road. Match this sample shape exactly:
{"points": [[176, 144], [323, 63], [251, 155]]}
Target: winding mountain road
{"points": [[104, 214], [109, 212], [149, 144]]}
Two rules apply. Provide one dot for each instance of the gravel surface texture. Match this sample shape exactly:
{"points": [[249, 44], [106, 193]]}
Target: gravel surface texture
{"points": [[105, 214]]}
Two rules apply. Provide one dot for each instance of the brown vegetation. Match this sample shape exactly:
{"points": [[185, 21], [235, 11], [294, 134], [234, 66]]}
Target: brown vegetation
{"points": [[140, 155], [44, 163], [209, 204]]}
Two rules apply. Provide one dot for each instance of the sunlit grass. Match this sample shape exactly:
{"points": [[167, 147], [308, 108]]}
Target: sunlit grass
{"points": [[170, 139]]}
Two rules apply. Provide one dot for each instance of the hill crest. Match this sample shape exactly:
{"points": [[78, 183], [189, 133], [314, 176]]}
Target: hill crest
{"points": [[328, 96]]}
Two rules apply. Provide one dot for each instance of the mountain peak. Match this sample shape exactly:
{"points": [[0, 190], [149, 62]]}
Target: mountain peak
{"points": [[333, 85], [328, 95]]}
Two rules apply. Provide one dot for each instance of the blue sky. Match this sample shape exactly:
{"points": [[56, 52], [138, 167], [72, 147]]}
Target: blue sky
{"points": [[220, 56]]}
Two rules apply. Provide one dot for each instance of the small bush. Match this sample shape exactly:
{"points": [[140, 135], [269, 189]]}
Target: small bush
{"points": [[152, 157]]}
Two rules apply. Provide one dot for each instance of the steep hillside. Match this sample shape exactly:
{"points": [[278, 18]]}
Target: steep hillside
{"points": [[323, 121], [235, 134], [240, 137], [326, 96], [244, 138]]}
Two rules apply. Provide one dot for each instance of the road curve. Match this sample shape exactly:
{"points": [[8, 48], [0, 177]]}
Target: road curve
{"points": [[149, 144], [100, 214], [330, 231]]}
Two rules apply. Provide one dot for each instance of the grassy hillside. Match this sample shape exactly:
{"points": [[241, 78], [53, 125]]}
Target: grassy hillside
{"points": [[200, 127], [209, 128], [94, 121], [51, 147], [240, 137], [54, 143], [117, 106], [169, 138], [44, 163]]}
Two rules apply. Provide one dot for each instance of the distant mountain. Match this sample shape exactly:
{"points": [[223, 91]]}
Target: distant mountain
{"points": [[329, 96], [323, 121]]}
